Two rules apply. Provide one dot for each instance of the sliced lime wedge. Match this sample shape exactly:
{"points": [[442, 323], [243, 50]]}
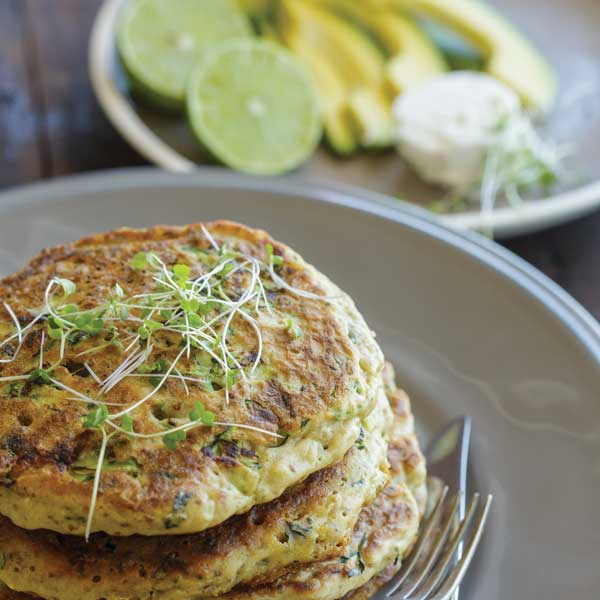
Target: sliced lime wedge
{"points": [[160, 41], [254, 107]]}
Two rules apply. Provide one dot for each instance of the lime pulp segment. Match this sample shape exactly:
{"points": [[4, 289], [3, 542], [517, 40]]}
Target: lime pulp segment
{"points": [[254, 107]]}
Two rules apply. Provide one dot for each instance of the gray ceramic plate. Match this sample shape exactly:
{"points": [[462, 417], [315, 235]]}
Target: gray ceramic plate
{"points": [[565, 31], [471, 329]]}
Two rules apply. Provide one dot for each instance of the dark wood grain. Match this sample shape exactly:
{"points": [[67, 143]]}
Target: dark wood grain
{"points": [[19, 116], [570, 255], [79, 136]]}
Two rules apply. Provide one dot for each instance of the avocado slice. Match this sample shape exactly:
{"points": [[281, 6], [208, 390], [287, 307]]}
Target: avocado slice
{"points": [[342, 59], [413, 58], [266, 30], [509, 56], [339, 132], [372, 115], [256, 8], [333, 94], [355, 56], [460, 54]]}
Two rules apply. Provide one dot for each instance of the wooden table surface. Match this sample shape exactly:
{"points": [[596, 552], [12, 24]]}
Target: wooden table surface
{"points": [[51, 124]]}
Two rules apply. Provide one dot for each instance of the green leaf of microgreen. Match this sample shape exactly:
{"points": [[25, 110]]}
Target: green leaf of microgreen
{"points": [[67, 285], [96, 418], [94, 327], [55, 323], [148, 328], [190, 306], [39, 376], [273, 258], [82, 321], [294, 328], [216, 343], [232, 377], [69, 309], [127, 424], [55, 334], [170, 440], [181, 274], [156, 368], [205, 307], [139, 261], [194, 320], [152, 326], [89, 324], [200, 414]]}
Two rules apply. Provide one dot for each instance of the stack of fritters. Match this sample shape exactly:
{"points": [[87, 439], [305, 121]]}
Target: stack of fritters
{"points": [[283, 463]]}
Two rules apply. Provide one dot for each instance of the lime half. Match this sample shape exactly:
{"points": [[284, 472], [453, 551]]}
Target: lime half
{"points": [[254, 107], [160, 41]]}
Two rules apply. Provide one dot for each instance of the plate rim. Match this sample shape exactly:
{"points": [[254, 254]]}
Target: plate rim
{"points": [[507, 221], [557, 301]]}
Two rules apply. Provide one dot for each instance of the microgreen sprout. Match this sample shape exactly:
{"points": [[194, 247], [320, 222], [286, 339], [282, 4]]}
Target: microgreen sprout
{"points": [[171, 439], [294, 329], [200, 414], [40, 376], [517, 161], [273, 258]]}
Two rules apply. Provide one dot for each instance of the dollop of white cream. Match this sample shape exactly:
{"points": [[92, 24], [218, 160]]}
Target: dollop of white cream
{"points": [[445, 126]]}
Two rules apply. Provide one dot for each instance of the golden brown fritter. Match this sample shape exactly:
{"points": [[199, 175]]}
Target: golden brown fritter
{"points": [[300, 527], [384, 534], [308, 522], [318, 373]]}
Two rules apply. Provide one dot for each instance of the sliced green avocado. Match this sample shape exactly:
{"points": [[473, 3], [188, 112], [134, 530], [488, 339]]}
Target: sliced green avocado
{"points": [[333, 93], [412, 58], [355, 56], [460, 54], [256, 8], [342, 59], [339, 132], [266, 30], [372, 116], [509, 56], [415, 58]]}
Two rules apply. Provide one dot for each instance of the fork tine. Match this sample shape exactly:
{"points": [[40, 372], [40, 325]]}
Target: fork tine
{"points": [[436, 548], [456, 576], [440, 568], [407, 567]]}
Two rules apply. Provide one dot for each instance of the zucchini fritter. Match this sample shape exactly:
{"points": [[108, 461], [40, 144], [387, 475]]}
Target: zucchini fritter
{"points": [[141, 318], [383, 536], [315, 521]]}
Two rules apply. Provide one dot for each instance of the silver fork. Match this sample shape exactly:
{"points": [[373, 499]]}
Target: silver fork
{"points": [[430, 572]]}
